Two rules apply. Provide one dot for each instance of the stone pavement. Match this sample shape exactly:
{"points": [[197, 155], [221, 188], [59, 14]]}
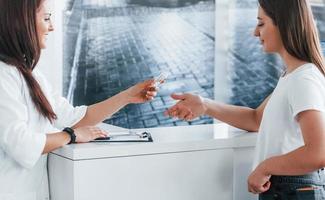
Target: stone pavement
{"points": [[122, 42]]}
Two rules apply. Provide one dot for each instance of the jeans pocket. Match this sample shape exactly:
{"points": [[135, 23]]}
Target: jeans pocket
{"points": [[317, 193]]}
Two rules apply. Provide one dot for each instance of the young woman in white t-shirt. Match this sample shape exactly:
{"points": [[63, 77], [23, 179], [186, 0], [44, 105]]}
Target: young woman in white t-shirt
{"points": [[34, 120], [290, 151]]}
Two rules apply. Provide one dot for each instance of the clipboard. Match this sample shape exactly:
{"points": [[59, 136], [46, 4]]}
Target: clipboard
{"points": [[126, 137]]}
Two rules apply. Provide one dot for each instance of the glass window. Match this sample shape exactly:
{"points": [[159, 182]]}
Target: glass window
{"points": [[251, 74], [318, 7], [114, 44]]}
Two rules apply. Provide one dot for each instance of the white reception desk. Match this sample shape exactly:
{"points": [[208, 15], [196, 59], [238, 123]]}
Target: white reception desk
{"points": [[204, 162]]}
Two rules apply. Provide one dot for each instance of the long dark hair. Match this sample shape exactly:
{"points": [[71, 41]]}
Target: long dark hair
{"points": [[19, 46], [297, 27]]}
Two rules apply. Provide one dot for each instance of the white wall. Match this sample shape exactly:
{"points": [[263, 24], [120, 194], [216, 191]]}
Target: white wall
{"points": [[51, 62]]}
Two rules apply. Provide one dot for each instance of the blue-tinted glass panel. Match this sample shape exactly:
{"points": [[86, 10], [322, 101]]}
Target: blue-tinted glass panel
{"points": [[252, 74], [113, 44]]}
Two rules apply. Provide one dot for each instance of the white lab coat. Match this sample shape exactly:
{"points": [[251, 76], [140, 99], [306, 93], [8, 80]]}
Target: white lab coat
{"points": [[23, 170]]}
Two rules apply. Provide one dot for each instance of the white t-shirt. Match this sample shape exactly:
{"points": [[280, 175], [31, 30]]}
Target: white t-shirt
{"points": [[23, 171], [302, 89]]}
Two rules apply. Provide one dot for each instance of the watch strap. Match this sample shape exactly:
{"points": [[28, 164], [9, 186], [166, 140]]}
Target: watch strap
{"points": [[70, 131]]}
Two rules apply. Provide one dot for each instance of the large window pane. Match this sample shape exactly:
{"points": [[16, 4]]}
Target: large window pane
{"points": [[252, 74], [112, 44]]}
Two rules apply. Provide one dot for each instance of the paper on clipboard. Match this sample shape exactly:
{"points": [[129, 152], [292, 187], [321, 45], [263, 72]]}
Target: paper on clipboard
{"points": [[118, 134]]}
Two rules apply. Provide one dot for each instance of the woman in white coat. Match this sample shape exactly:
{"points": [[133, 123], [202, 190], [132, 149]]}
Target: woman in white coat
{"points": [[34, 121]]}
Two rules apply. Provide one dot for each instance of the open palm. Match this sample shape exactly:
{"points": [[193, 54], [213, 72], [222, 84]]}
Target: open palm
{"points": [[188, 107]]}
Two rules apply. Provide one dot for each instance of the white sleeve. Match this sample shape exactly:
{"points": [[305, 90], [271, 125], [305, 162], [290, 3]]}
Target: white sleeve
{"points": [[66, 113], [306, 94], [19, 143]]}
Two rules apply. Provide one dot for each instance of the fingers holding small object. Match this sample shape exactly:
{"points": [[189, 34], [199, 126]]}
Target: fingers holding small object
{"points": [[153, 89], [149, 98], [160, 78], [148, 83], [151, 93]]}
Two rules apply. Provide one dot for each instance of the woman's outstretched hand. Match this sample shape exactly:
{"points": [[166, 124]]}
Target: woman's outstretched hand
{"points": [[188, 107], [142, 92]]}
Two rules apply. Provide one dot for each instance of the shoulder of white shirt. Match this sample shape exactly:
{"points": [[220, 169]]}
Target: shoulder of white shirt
{"points": [[305, 71], [6, 69]]}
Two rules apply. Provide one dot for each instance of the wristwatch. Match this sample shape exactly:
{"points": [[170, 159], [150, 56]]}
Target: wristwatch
{"points": [[70, 131]]}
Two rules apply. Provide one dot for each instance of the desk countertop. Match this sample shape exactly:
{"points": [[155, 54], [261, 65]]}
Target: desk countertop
{"points": [[166, 140]]}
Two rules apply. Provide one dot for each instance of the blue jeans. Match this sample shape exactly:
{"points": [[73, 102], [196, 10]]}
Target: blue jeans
{"points": [[289, 187]]}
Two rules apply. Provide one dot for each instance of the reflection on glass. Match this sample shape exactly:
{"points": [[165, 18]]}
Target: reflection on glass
{"points": [[113, 44], [252, 74]]}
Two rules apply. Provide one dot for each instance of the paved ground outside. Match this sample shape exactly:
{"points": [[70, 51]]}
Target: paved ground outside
{"points": [[121, 42]]}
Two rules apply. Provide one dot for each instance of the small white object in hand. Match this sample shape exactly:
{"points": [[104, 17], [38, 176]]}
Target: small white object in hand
{"points": [[160, 78]]}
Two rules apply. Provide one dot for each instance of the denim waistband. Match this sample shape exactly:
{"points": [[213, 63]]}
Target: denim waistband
{"points": [[314, 178]]}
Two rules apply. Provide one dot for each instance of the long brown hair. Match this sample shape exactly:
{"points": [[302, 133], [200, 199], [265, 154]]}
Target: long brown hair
{"points": [[19, 46], [297, 27]]}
